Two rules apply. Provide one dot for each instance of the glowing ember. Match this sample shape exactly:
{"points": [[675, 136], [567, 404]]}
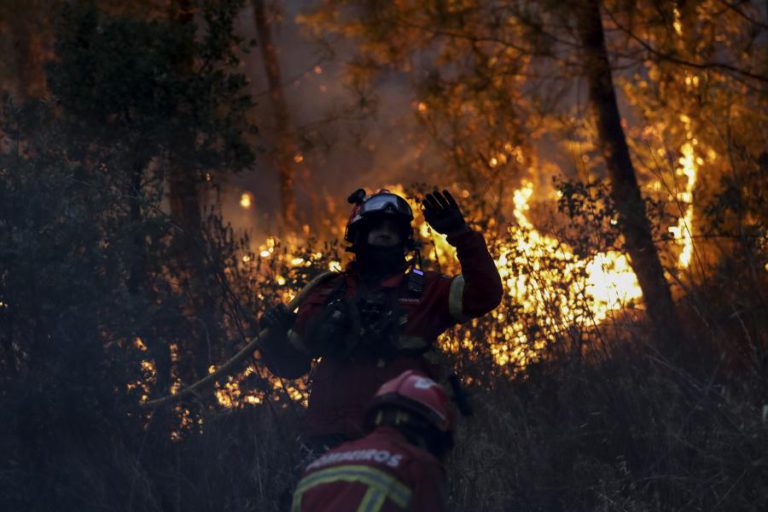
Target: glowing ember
{"points": [[677, 24], [148, 366], [139, 344], [246, 200]]}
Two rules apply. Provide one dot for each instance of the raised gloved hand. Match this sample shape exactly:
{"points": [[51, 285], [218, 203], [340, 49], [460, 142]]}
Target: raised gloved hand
{"points": [[442, 213], [277, 319]]}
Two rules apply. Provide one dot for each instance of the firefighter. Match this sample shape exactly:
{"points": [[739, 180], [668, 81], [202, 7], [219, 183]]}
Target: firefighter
{"points": [[397, 466], [381, 315]]}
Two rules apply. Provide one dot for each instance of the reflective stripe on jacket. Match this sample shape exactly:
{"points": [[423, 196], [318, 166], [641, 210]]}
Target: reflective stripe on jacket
{"points": [[380, 473], [342, 386]]}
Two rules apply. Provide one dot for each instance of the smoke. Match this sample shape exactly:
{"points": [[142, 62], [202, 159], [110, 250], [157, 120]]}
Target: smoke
{"points": [[341, 147]]}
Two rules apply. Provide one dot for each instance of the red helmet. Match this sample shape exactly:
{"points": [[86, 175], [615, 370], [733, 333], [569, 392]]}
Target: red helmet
{"points": [[383, 203], [420, 395]]}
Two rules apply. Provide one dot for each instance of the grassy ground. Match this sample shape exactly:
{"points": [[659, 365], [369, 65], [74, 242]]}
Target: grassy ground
{"points": [[626, 431]]}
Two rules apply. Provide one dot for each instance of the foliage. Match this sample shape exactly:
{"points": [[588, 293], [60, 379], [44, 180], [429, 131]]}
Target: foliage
{"points": [[96, 304], [97, 309], [625, 431], [122, 85]]}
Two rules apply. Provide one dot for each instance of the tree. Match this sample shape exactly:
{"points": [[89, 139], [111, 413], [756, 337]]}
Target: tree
{"points": [[27, 27], [625, 191], [133, 108], [500, 82], [285, 146]]}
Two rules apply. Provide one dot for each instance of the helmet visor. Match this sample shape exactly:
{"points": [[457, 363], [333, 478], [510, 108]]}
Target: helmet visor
{"points": [[386, 203]]}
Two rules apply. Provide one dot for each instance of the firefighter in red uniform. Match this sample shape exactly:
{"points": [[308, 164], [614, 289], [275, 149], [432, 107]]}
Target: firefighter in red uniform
{"points": [[395, 467], [381, 316]]}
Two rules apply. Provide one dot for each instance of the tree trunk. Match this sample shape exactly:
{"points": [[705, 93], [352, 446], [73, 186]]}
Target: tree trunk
{"points": [[185, 198], [138, 266], [285, 145], [183, 187], [625, 191], [6, 331], [28, 53]]}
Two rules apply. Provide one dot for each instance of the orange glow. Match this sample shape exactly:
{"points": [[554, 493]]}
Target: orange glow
{"points": [[677, 24], [688, 165], [608, 286], [139, 344], [543, 277], [682, 230]]}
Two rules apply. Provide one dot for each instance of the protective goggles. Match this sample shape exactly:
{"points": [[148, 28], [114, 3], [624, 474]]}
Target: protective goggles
{"points": [[385, 203]]}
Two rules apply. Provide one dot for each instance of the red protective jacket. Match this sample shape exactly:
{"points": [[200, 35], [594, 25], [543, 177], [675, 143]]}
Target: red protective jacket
{"points": [[381, 472], [341, 387]]}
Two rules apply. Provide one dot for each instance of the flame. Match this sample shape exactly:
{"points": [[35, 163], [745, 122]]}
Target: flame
{"points": [[607, 283], [688, 167], [610, 281], [603, 283], [246, 200], [677, 23]]}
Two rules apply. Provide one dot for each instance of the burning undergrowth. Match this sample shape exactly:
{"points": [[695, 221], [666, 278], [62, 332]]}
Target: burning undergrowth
{"points": [[113, 290], [552, 293]]}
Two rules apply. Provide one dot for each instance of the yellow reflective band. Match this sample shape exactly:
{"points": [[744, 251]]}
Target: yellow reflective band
{"points": [[389, 486], [372, 501], [456, 299]]}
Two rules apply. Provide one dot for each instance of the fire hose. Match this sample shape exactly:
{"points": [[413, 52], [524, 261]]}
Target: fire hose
{"points": [[246, 351]]}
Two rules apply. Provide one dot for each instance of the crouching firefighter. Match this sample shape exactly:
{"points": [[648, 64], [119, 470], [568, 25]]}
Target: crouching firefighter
{"points": [[397, 466], [381, 315]]}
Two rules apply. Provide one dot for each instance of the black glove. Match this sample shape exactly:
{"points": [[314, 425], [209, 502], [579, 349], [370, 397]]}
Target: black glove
{"points": [[442, 213], [277, 319]]}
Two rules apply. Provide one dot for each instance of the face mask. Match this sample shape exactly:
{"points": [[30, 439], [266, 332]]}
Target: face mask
{"points": [[381, 261]]}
